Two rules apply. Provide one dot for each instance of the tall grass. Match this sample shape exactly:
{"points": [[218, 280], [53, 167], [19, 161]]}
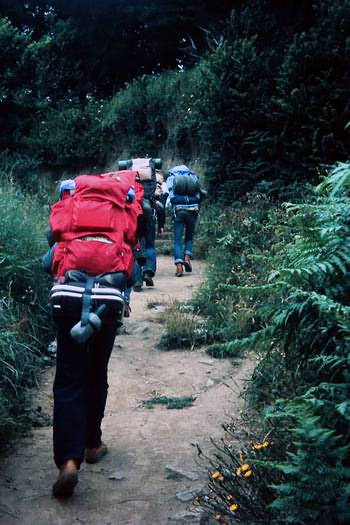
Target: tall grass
{"points": [[24, 321]]}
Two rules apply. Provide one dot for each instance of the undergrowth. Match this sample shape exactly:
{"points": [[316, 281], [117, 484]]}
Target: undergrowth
{"points": [[243, 241], [183, 329], [24, 323], [293, 463], [170, 402]]}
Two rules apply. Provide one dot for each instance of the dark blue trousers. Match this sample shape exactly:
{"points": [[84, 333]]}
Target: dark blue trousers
{"points": [[80, 392]]}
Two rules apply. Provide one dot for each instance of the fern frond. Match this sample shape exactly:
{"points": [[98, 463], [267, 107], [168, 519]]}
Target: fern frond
{"points": [[337, 182], [235, 347]]}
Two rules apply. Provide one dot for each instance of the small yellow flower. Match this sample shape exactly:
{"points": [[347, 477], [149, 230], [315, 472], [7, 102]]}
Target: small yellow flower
{"points": [[229, 497], [258, 446], [233, 507], [215, 474], [241, 470], [245, 470], [221, 478]]}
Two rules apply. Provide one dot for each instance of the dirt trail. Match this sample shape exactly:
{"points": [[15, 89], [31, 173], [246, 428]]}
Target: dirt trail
{"points": [[141, 441]]}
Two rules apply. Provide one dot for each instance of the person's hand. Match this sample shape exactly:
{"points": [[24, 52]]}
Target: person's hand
{"points": [[160, 232]]}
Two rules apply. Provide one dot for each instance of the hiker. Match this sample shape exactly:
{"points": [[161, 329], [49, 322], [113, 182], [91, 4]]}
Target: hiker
{"points": [[144, 252], [94, 228], [151, 222], [185, 198]]}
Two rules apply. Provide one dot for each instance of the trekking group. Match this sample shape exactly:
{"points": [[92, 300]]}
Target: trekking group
{"points": [[102, 246]]}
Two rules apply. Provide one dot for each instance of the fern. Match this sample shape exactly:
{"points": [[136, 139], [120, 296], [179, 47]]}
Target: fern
{"points": [[302, 378]]}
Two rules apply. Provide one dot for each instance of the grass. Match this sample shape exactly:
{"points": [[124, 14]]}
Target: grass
{"points": [[182, 328], [25, 325], [170, 402]]}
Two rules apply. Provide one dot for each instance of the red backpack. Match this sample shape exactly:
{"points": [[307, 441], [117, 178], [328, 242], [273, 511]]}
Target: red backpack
{"points": [[96, 227]]}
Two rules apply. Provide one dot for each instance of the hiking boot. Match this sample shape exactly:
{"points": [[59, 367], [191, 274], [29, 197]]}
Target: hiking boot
{"points": [[187, 263], [67, 480], [179, 270], [127, 309], [93, 455], [137, 286], [147, 277]]}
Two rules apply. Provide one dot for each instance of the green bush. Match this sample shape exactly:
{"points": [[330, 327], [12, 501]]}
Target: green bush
{"points": [[69, 136], [242, 242], [25, 326], [150, 116], [301, 382]]}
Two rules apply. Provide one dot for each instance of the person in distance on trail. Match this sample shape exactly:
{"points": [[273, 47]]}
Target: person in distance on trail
{"points": [[153, 213], [185, 196], [145, 253]]}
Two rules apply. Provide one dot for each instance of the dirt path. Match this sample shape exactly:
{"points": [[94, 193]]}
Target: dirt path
{"points": [[142, 441]]}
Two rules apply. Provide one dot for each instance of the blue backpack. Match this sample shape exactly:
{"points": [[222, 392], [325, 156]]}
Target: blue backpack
{"points": [[185, 182]]}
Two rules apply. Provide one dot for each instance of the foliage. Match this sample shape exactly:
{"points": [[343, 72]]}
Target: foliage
{"points": [[272, 113], [243, 242], [182, 328], [301, 382], [128, 37], [264, 101], [57, 136], [25, 326], [170, 402], [136, 117], [238, 486]]}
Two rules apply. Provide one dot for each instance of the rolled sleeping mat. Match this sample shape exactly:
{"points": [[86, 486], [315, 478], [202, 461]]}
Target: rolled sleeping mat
{"points": [[156, 163], [125, 164]]}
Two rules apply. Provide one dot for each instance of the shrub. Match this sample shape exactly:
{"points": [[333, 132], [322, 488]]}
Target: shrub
{"points": [[182, 328], [24, 323], [300, 385], [242, 242]]}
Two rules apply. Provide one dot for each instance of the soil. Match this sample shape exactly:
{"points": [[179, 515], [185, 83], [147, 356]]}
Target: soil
{"points": [[130, 484]]}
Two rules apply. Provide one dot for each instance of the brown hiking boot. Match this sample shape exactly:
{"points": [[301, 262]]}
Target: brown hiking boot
{"points": [[179, 270], [187, 263], [67, 479], [93, 455]]}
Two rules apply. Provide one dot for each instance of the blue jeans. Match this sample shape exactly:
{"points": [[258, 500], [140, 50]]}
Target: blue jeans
{"points": [[184, 222]]}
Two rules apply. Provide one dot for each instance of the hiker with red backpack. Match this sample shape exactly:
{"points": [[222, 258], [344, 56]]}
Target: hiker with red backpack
{"points": [[94, 229], [185, 195]]}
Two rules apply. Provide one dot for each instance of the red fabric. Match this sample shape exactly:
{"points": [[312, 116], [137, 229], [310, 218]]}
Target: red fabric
{"points": [[98, 207], [134, 209]]}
